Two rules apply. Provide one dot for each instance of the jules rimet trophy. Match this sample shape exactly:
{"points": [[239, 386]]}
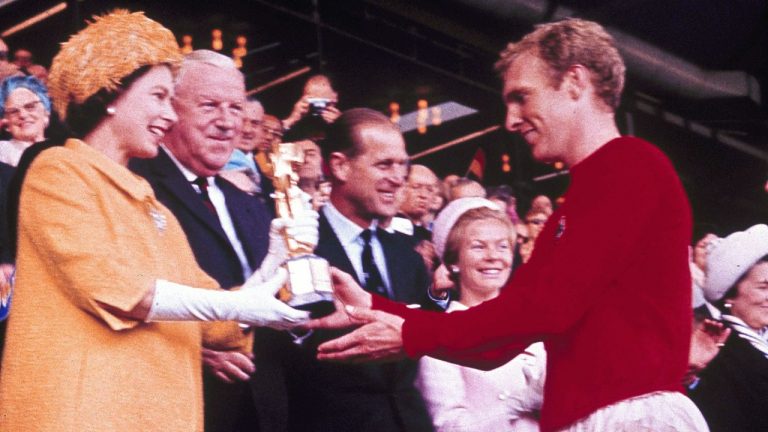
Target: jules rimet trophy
{"points": [[309, 281]]}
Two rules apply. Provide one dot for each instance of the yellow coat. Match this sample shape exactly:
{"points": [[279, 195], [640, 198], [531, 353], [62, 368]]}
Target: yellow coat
{"points": [[91, 233]]}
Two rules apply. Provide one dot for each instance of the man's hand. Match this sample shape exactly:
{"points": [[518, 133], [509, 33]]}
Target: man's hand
{"points": [[330, 114], [229, 366], [347, 293], [380, 339]]}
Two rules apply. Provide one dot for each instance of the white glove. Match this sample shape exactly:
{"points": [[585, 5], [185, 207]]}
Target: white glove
{"points": [[254, 304], [302, 229]]}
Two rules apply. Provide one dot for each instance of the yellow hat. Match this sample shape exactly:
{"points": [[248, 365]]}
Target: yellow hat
{"points": [[108, 49]]}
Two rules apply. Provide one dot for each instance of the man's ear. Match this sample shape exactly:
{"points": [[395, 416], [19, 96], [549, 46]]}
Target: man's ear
{"points": [[338, 163], [577, 81]]}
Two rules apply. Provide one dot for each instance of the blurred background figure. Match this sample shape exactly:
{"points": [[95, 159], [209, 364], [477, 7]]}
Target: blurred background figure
{"points": [[542, 203], [464, 188], [731, 390], [22, 58], [25, 109], [475, 240], [6, 68], [534, 222]]}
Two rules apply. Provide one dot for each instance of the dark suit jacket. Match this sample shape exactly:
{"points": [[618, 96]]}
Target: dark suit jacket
{"points": [[733, 389], [325, 396], [228, 407], [209, 243]]}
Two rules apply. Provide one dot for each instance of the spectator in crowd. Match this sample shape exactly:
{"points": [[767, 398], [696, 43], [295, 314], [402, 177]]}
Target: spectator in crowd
{"points": [[541, 203], [22, 58], [272, 134], [311, 178], [698, 265], [465, 188], [25, 110], [594, 265], [241, 169], [314, 111], [448, 182], [505, 197], [534, 223], [368, 165], [475, 240], [228, 230], [6, 68], [419, 191], [96, 258], [39, 72], [731, 390]]}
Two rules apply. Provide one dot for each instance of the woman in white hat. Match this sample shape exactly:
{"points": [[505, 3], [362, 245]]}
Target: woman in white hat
{"points": [[732, 391], [476, 240]]}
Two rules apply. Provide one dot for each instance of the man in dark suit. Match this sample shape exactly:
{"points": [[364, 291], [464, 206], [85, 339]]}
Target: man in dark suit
{"points": [[368, 166], [228, 229]]}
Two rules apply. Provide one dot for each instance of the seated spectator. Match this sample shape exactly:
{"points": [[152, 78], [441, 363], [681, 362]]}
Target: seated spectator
{"points": [[475, 240], [731, 391], [464, 188], [25, 110]]}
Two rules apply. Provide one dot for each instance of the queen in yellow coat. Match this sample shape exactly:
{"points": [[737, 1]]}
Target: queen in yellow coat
{"points": [[105, 331]]}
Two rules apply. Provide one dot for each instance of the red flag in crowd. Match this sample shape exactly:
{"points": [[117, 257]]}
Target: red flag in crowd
{"points": [[477, 167]]}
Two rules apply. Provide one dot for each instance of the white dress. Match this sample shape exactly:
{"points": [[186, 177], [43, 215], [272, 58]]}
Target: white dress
{"points": [[507, 398]]}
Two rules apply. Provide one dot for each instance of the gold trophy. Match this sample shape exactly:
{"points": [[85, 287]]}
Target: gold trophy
{"points": [[309, 279]]}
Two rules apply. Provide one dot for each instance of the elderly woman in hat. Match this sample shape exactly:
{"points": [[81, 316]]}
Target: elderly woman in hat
{"points": [[476, 242], [103, 334], [25, 110], [732, 391]]}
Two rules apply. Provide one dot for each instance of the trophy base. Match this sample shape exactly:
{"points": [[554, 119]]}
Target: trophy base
{"points": [[309, 285]]}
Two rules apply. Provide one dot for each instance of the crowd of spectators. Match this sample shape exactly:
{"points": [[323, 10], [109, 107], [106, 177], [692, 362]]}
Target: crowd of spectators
{"points": [[472, 238]]}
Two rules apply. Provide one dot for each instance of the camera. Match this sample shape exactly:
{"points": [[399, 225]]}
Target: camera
{"points": [[317, 105]]}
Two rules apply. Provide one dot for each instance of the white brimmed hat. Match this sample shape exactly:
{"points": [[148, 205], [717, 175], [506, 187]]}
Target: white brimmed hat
{"points": [[733, 256], [450, 214]]}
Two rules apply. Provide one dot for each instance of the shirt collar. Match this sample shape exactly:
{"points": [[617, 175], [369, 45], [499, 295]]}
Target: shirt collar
{"points": [[346, 230], [189, 175]]}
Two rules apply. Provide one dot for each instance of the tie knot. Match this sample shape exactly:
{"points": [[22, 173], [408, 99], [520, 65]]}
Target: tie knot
{"points": [[202, 182], [366, 236]]}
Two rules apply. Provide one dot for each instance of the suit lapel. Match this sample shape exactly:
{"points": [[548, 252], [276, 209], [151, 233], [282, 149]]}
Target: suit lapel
{"points": [[330, 248], [173, 181], [251, 225]]}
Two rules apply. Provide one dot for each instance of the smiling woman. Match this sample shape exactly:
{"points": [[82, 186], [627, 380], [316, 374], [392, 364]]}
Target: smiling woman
{"points": [[97, 252], [475, 240], [731, 390], [25, 111]]}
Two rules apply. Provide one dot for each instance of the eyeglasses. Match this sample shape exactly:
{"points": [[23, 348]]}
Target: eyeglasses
{"points": [[29, 108]]}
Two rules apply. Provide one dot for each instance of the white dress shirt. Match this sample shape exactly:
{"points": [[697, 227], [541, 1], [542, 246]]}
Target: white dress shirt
{"points": [[349, 235], [220, 204]]}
